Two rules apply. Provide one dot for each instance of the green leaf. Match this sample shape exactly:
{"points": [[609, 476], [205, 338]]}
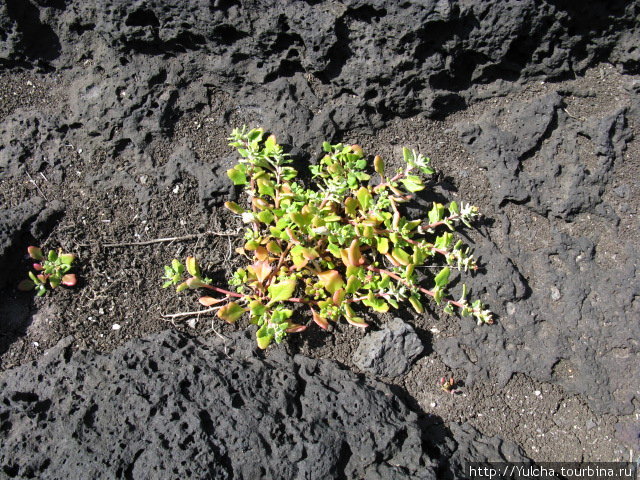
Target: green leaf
{"points": [[442, 279], [231, 312], [444, 241], [176, 266], [236, 176], [401, 256], [263, 337], [364, 197], [436, 213], [408, 155], [438, 295], [192, 267], [331, 280], [382, 244], [378, 165], [414, 300], [280, 292], [334, 250], [255, 134], [265, 216], [53, 256], [270, 143], [412, 184], [326, 146], [376, 303], [353, 284], [265, 187], [257, 309], [453, 208], [67, 258], [418, 256], [298, 257], [274, 248], [351, 206]]}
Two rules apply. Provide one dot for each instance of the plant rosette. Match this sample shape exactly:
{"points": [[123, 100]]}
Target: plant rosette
{"points": [[51, 271]]}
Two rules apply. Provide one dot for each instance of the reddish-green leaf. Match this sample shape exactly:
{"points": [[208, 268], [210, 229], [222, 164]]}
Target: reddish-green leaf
{"points": [[208, 301], [35, 253], [261, 269], [320, 321], [331, 280]]}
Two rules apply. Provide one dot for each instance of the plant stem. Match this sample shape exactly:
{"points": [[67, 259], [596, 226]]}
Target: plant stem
{"points": [[166, 239], [388, 182], [222, 290], [442, 222], [403, 281]]}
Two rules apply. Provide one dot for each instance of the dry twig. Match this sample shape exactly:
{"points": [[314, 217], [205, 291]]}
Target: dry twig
{"points": [[165, 240]]}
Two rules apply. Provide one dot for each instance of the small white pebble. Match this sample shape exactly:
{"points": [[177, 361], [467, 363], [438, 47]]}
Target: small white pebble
{"points": [[101, 311], [176, 189], [116, 326], [192, 322], [432, 404], [36, 344], [434, 330], [79, 150], [30, 83], [537, 393]]}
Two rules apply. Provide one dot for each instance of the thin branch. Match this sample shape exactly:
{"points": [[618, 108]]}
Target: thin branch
{"points": [[166, 239], [222, 290], [190, 314]]}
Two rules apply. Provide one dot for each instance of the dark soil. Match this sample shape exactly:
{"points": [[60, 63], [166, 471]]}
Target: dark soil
{"points": [[107, 163]]}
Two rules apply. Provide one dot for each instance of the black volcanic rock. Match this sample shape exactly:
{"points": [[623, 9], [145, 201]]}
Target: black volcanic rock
{"points": [[347, 65], [174, 406]]}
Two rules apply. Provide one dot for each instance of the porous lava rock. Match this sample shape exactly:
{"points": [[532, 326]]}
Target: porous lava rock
{"points": [[389, 352], [171, 405]]}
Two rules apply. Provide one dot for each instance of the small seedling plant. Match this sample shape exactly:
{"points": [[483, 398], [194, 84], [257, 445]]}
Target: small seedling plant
{"points": [[338, 247], [449, 385], [174, 274], [51, 271]]}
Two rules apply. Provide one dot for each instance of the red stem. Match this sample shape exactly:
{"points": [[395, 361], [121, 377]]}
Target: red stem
{"points": [[222, 290], [422, 289], [442, 222], [389, 182]]}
